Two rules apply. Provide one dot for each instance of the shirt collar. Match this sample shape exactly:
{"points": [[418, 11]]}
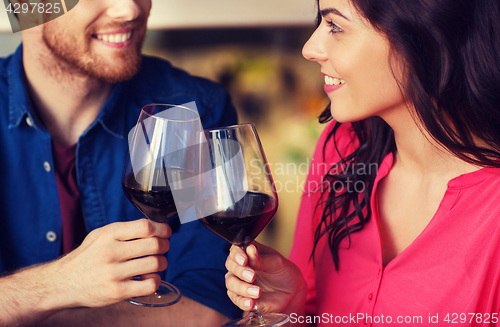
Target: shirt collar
{"points": [[19, 100], [111, 116]]}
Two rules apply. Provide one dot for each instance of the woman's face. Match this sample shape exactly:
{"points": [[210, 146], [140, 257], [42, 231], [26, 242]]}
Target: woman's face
{"points": [[354, 60]]}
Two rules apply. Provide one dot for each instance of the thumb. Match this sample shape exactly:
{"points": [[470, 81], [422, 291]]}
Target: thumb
{"points": [[264, 258]]}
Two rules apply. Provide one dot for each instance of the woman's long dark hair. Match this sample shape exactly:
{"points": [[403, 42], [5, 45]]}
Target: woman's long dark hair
{"points": [[451, 55]]}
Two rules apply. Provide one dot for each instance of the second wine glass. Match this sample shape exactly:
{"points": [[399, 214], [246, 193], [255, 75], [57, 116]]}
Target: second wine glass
{"points": [[239, 198], [161, 176]]}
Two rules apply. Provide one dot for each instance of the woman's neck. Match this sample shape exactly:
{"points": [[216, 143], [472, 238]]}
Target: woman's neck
{"points": [[419, 154]]}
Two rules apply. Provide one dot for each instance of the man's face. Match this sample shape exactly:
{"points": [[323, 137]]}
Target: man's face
{"points": [[100, 38]]}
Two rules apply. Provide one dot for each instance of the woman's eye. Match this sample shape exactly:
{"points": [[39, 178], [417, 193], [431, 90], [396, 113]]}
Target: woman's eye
{"points": [[334, 27]]}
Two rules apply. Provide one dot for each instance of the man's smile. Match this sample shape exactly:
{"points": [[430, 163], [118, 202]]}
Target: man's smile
{"points": [[120, 36]]}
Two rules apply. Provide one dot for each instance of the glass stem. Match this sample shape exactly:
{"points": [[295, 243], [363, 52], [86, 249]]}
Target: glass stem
{"points": [[255, 311]]}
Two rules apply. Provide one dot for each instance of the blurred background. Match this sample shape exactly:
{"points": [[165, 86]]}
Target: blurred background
{"points": [[253, 48]]}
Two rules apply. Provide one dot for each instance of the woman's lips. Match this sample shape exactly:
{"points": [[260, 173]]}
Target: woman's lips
{"points": [[332, 83]]}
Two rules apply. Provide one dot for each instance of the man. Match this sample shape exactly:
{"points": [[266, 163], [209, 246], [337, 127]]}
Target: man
{"points": [[68, 98]]}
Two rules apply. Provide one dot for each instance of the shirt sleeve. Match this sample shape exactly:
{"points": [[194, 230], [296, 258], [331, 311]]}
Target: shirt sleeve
{"points": [[219, 111], [309, 210], [197, 266]]}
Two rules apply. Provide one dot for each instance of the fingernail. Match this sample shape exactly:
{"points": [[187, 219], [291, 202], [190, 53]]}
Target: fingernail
{"points": [[248, 275], [240, 259], [254, 291], [247, 303], [255, 251]]}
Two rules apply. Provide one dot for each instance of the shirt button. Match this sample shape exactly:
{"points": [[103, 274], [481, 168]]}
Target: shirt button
{"points": [[370, 296], [46, 166], [29, 121], [51, 236]]}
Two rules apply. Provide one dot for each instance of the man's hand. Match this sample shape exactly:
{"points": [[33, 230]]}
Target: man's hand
{"points": [[100, 271], [96, 274]]}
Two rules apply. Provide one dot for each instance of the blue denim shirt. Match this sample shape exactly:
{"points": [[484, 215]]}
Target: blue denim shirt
{"points": [[30, 218]]}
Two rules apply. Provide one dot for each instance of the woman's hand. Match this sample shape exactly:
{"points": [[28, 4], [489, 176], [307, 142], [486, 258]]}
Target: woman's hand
{"points": [[265, 278]]}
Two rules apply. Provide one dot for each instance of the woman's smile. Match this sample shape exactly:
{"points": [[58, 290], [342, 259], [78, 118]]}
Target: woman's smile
{"points": [[332, 83]]}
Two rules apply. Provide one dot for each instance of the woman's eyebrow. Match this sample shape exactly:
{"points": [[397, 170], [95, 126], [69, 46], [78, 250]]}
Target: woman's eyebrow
{"points": [[327, 11]]}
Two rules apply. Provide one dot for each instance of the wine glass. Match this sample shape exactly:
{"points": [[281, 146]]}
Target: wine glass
{"points": [[239, 198], [161, 175]]}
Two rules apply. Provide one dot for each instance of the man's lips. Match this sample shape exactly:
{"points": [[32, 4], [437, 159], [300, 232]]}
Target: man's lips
{"points": [[117, 39], [121, 30]]}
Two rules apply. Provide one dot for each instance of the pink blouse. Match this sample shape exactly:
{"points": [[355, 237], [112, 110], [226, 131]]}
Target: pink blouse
{"points": [[448, 276]]}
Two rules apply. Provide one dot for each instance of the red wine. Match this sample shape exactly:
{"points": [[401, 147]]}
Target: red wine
{"points": [[243, 222], [157, 202]]}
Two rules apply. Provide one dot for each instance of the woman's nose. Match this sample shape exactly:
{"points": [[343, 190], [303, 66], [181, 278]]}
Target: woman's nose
{"points": [[314, 48]]}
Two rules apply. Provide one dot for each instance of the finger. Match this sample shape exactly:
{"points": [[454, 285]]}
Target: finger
{"points": [[142, 247], [238, 255], [146, 286], [239, 287], [245, 273], [142, 228], [151, 275], [141, 266], [241, 302]]}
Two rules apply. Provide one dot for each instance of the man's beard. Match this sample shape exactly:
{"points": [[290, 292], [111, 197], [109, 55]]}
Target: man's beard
{"points": [[76, 57]]}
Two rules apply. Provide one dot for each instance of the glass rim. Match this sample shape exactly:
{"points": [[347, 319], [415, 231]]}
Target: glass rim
{"points": [[173, 106], [236, 126]]}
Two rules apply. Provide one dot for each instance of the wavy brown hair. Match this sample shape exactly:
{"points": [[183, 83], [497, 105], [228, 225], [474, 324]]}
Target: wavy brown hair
{"points": [[451, 51]]}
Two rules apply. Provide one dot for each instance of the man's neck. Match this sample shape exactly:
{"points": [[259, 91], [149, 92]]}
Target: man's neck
{"points": [[66, 101]]}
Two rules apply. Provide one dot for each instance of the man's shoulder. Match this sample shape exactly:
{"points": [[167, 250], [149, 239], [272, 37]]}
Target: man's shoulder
{"points": [[4, 64], [161, 77], [4, 81], [160, 82]]}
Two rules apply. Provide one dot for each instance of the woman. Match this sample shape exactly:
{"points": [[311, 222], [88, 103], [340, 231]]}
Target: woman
{"points": [[415, 92]]}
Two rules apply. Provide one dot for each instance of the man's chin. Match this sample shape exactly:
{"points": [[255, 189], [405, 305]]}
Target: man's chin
{"points": [[116, 72]]}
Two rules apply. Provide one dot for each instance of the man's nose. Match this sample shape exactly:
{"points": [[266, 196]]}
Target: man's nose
{"points": [[123, 10]]}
